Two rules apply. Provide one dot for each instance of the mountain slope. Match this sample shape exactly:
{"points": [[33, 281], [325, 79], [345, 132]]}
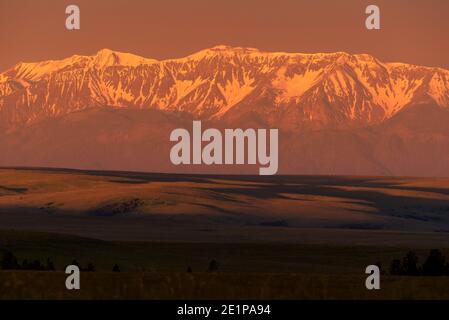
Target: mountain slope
{"points": [[288, 90], [415, 142], [337, 113]]}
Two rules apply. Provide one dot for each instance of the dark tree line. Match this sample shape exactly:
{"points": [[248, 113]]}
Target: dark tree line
{"points": [[10, 262], [212, 267], [434, 265], [89, 268]]}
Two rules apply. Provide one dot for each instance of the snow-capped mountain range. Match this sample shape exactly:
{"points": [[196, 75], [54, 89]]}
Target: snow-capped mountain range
{"points": [[337, 113], [290, 90]]}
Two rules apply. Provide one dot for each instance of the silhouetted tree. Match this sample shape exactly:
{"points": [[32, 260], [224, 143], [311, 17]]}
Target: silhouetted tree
{"points": [[435, 264], [9, 261], [50, 265], [116, 268], [410, 264], [379, 264], [396, 267], [25, 265], [213, 266], [34, 265], [90, 267], [39, 266], [75, 263]]}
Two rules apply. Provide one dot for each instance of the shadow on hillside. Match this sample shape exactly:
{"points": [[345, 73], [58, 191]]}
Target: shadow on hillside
{"points": [[419, 208]]}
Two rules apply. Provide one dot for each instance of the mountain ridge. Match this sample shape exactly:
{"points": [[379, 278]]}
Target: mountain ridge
{"points": [[289, 90]]}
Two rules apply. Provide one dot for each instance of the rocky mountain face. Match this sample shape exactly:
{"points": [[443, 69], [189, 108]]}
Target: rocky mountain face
{"points": [[338, 113], [288, 90]]}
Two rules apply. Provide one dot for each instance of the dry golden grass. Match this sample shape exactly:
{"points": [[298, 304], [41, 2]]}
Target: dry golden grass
{"points": [[101, 285]]}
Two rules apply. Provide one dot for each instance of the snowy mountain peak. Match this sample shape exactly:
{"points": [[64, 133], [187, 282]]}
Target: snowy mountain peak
{"points": [[223, 51], [107, 57], [34, 71]]}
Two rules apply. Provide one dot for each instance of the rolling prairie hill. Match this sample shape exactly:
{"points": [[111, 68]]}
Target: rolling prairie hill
{"points": [[213, 208]]}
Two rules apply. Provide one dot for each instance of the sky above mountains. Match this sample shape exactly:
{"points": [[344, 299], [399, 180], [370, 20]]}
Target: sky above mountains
{"points": [[412, 31]]}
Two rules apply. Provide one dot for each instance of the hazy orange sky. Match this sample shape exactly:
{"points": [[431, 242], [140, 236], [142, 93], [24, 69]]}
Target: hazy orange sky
{"points": [[413, 31]]}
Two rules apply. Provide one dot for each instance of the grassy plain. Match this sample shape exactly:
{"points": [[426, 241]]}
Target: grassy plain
{"points": [[273, 237]]}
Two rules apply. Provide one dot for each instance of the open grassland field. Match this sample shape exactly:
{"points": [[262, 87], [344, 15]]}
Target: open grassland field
{"points": [[102, 285], [281, 237], [154, 270]]}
